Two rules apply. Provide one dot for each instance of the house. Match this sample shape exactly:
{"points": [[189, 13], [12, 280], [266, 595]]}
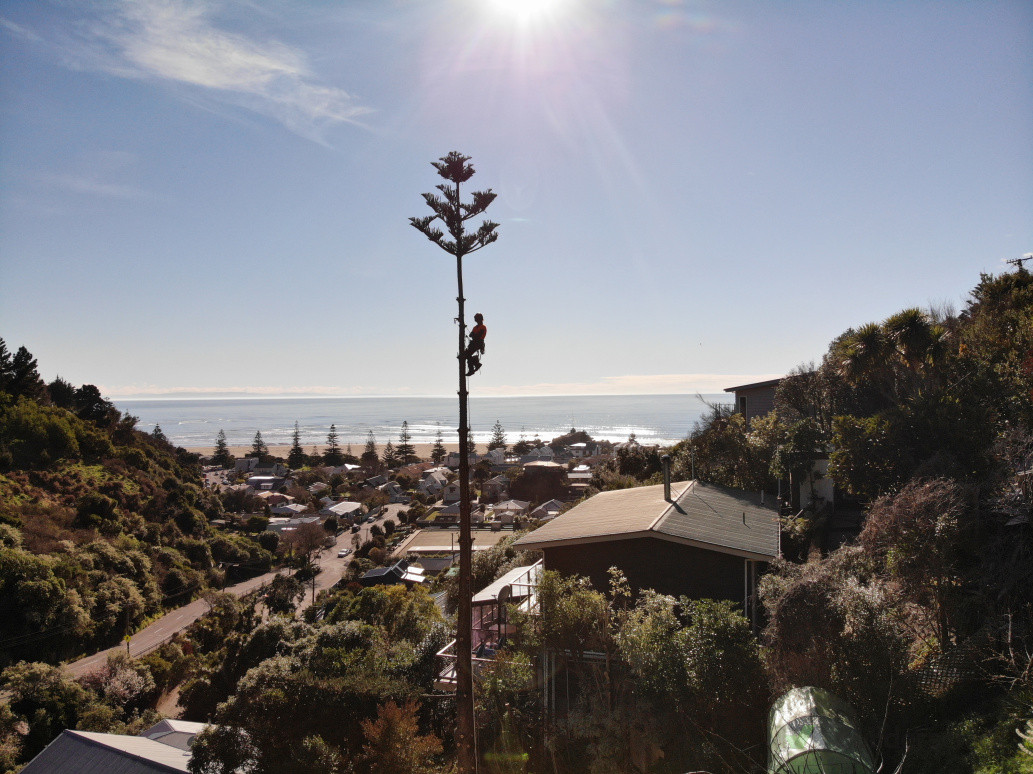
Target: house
{"points": [[289, 509], [268, 483], [450, 494], [286, 524], [394, 492], [541, 453], [399, 572], [548, 510], [495, 489], [490, 625], [276, 469], [509, 510], [700, 540], [450, 514], [375, 481], [244, 465], [318, 487], [174, 732], [496, 456], [345, 470], [165, 747], [433, 482], [345, 509], [452, 460], [274, 498], [756, 399]]}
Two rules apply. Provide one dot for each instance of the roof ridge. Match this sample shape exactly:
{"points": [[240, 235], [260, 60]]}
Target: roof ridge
{"points": [[90, 738], [670, 506]]}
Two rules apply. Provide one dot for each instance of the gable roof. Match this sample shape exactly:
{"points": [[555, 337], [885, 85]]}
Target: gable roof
{"points": [[728, 521], [87, 752]]}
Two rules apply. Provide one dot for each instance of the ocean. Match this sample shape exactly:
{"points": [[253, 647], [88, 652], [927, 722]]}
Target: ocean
{"points": [[654, 419]]}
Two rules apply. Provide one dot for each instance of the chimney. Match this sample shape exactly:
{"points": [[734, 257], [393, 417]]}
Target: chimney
{"points": [[666, 462]]}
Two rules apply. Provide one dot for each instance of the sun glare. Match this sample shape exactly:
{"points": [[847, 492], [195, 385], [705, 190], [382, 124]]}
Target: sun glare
{"points": [[527, 10]]}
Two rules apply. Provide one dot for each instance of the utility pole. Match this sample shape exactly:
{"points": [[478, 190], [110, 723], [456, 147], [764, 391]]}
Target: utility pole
{"points": [[1017, 262], [454, 214]]}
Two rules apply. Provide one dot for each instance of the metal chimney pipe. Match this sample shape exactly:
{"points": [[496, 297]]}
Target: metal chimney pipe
{"points": [[666, 462]]}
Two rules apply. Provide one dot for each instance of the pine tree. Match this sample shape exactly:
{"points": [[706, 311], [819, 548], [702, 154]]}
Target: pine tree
{"points": [[391, 458], [498, 437], [438, 453], [296, 456], [158, 435], [370, 459], [405, 450], [222, 454], [258, 447], [332, 455]]}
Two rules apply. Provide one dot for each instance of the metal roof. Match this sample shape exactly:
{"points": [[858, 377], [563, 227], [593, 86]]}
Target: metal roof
{"points": [[87, 752], [755, 385], [726, 520], [528, 575]]}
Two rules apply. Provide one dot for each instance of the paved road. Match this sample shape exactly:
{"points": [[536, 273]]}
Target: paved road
{"points": [[152, 636], [156, 633]]}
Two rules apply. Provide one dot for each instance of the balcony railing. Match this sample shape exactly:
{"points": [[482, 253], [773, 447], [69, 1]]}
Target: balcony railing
{"points": [[491, 628]]}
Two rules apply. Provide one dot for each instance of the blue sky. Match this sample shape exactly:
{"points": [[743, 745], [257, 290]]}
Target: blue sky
{"points": [[213, 197]]}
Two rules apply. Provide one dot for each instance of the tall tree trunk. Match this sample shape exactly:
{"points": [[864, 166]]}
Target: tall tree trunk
{"points": [[464, 618]]}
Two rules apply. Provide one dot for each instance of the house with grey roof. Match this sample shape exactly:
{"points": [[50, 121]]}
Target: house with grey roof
{"points": [[164, 747], [684, 538], [399, 572], [289, 509], [548, 510]]}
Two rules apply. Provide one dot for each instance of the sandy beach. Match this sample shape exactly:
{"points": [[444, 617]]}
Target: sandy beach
{"points": [[282, 450]]}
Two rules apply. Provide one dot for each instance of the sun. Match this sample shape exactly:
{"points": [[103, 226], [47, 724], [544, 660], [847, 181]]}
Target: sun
{"points": [[527, 10]]}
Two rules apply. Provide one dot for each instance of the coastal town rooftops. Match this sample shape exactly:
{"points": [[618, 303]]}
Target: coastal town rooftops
{"points": [[729, 521]]}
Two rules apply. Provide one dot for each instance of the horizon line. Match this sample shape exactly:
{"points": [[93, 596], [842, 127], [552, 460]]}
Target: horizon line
{"points": [[134, 397]]}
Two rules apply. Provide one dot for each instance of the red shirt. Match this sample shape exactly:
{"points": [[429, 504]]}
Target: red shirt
{"points": [[479, 332]]}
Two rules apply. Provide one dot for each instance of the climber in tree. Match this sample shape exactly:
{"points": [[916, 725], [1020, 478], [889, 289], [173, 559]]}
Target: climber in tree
{"points": [[475, 348]]}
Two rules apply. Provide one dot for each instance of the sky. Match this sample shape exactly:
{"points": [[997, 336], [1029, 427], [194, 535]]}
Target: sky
{"points": [[212, 198]]}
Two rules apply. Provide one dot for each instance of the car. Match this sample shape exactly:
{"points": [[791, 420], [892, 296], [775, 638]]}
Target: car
{"points": [[355, 527], [343, 553]]}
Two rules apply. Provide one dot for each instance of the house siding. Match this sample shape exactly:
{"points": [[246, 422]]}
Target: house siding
{"points": [[650, 563], [759, 401]]}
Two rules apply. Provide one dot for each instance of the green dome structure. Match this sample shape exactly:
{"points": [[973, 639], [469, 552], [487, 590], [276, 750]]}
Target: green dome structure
{"points": [[813, 732]]}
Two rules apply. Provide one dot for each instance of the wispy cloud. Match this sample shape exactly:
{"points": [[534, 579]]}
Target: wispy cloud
{"points": [[280, 391], [19, 30], [637, 384], [98, 173], [634, 384], [92, 186], [181, 43]]}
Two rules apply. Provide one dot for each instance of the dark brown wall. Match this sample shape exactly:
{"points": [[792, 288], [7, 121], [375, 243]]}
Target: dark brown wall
{"points": [[649, 563]]}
